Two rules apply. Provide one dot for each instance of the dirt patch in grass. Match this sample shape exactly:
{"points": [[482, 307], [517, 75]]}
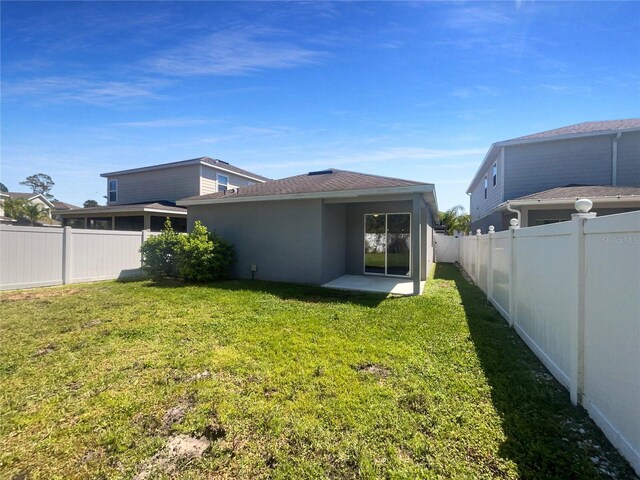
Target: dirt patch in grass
{"points": [[178, 448], [38, 294], [176, 413], [374, 369], [49, 348]]}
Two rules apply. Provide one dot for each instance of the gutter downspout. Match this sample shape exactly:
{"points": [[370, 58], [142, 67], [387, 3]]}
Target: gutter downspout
{"points": [[517, 212], [614, 160]]}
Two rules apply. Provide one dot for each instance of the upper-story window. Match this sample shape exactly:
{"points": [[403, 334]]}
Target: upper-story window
{"points": [[113, 191], [495, 173], [223, 183], [486, 184]]}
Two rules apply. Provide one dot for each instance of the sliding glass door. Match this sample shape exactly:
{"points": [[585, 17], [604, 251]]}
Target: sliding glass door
{"points": [[387, 244]]}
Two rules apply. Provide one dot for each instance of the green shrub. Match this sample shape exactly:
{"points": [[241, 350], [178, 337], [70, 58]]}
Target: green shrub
{"points": [[205, 256], [201, 256], [160, 253]]}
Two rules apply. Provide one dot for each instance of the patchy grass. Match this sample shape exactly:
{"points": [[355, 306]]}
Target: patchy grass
{"points": [[257, 380]]}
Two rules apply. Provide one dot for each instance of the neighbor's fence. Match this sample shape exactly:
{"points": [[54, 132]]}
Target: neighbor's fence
{"points": [[572, 292], [41, 256]]}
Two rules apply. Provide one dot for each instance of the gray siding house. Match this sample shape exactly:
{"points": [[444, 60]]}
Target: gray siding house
{"points": [[316, 227], [526, 174], [142, 198]]}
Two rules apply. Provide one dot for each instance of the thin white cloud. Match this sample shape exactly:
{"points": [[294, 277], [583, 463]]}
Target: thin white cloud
{"points": [[167, 123], [232, 52], [475, 91], [385, 155], [84, 90]]}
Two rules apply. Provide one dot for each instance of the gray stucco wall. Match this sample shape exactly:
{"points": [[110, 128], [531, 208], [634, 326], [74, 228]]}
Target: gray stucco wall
{"points": [[283, 238], [495, 219], [541, 166], [302, 241], [334, 241], [170, 184], [428, 244], [355, 229], [629, 159]]}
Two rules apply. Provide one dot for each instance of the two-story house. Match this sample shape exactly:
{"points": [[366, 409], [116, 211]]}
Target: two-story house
{"points": [[142, 198], [538, 177]]}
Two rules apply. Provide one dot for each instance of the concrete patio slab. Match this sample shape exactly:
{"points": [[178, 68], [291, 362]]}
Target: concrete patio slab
{"points": [[365, 283]]}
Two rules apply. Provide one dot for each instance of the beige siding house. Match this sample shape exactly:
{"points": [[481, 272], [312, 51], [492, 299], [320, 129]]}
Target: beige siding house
{"points": [[142, 198]]}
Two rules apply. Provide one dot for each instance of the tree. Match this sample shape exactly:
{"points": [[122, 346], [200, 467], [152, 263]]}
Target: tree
{"points": [[40, 183], [34, 212], [14, 207], [90, 203], [455, 219], [3, 188]]}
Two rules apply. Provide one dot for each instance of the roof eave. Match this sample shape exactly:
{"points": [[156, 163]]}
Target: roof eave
{"points": [[93, 211], [423, 188], [565, 201], [195, 161]]}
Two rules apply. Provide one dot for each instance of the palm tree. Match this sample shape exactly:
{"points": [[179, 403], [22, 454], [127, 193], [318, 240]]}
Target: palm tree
{"points": [[34, 212], [455, 219], [14, 207]]}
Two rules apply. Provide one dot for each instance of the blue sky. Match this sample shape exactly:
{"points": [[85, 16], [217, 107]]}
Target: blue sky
{"points": [[412, 90]]}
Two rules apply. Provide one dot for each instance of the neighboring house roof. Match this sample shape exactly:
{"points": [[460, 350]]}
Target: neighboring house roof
{"points": [[583, 191], [214, 162], [584, 129], [568, 195], [58, 205], [28, 196], [151, 207], [320, 184]]}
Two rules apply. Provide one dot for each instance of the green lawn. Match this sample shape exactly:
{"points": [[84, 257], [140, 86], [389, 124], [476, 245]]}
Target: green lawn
{"points": [[284, 381]]}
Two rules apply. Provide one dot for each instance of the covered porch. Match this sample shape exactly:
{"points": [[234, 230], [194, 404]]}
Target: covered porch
{"points": [[376, 284], [377, 243]]}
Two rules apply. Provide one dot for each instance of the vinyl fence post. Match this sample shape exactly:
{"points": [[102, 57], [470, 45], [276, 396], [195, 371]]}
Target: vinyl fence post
{"points": [[577, 334], [512, 271], [476, 274], [66, 255], [490, 264]]}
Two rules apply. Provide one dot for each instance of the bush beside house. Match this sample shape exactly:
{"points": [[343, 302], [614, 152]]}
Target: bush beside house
{"points": [[200, 256]]}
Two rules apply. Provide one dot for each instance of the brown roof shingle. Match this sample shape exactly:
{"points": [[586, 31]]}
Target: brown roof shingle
{"points": [[331, 180], [582, 191]]}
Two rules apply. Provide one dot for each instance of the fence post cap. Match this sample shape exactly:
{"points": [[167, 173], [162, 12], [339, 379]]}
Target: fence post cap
{"points": [[583, 205], [513, 222], [478, 232], [492, 229]]}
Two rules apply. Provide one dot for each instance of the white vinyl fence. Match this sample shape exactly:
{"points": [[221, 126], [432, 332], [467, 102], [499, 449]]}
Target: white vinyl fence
{"points": [[40, 256], [572, 292]]}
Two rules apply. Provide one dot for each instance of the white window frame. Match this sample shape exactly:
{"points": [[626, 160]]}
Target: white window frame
{"points": [[494, 174], [225, 184], [109, 190], [486, 185]]}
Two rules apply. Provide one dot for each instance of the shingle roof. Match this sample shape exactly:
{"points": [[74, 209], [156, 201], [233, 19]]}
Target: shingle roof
{"points": [[233, 168], [160, 205], [63, 205], [585, 127], [582, 191], [26, 195], [210, 161], [331, 180]]}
